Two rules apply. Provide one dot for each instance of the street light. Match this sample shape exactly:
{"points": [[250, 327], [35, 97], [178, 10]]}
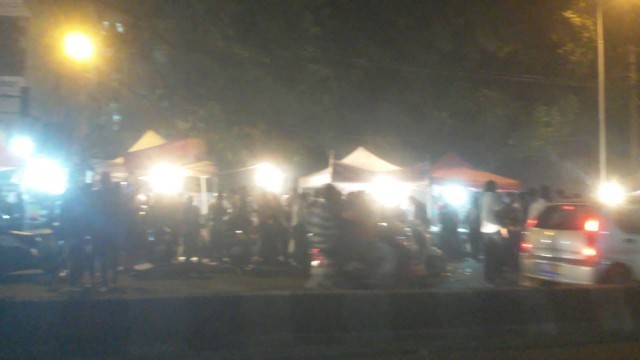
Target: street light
{"points": [[269, 177], [79, 46], [22, 146], [602, 126]]}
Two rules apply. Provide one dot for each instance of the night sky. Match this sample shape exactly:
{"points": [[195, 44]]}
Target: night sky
{"points": [[509, 85]]}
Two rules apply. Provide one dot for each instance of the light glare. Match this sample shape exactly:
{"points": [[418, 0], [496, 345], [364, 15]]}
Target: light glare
{"points": [[455, 195], [389, 191], [45, 175], [166, 179], [22, 146], [611, 193], [78, 46], [269, 177]]}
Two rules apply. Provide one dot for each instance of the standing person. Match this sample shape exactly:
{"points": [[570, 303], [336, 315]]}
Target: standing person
{"points": [[492, 231], [449, 231], [540, 203], [530, 196], [325, 223], [513, 221], [74, 216], [18, 215], [108, 223], [217, 213], [281, 230], [473, 220], [268, 229], [190, 229], [299, 230], [420, 212]]}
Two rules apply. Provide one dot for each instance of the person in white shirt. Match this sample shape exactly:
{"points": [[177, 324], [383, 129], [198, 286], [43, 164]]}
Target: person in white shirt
{"points": [[493, 232], [538, 205]]}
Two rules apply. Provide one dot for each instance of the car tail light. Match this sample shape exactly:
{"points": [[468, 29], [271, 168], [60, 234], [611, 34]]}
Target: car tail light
{"points": [[531, 223], [592, 225], [317, 258], [589, 252], [525, 247]]}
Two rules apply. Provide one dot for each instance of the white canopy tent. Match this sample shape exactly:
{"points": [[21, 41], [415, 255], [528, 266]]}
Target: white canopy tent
{"points": [[365, 159], [152, 143], [360, 160]]}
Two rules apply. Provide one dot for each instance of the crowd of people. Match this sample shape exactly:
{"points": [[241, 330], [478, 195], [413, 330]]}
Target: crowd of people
{"points": [[104, 229], [108, 228]]}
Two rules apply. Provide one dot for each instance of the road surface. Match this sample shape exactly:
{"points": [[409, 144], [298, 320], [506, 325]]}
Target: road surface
{"points": [[32, 285]]}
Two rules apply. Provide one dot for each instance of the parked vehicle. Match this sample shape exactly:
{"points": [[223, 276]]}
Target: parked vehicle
{"points": [[582, 243], [36, 249]]}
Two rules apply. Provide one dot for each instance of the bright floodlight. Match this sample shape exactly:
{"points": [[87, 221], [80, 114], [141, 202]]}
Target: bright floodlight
{"points": [[45, 175], [455, 195], [611, 193], [166, 179], [389, 191], [79, 46], [22, 146], [269, 177]]}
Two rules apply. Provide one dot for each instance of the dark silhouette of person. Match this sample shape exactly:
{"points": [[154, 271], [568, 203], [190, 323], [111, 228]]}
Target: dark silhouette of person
{"points": [[108, 222]]}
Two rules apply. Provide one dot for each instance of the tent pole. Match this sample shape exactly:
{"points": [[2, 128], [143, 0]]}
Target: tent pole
{"points": [[203, 195], [430, 202], [332, 156]]}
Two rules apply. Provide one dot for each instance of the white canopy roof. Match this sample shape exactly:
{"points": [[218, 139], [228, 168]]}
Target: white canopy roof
{"points": [[365, 159], [148, 140], [361, 158]]}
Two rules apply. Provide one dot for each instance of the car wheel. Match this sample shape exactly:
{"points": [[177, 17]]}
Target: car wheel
{"points": [[617, 274]]}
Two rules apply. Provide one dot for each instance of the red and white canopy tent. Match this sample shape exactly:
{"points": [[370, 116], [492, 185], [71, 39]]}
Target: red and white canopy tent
{"points": [[451, 169]]}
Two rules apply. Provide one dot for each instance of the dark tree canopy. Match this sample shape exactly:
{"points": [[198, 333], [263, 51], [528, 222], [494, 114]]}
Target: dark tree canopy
{"points": [[509, 85]]}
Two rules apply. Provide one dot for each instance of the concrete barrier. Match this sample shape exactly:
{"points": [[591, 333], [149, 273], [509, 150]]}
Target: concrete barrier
{"points": [[278, 324]]}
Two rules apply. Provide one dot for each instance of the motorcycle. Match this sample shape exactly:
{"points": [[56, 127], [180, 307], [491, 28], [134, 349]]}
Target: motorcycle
{"points": [[397, 256]]}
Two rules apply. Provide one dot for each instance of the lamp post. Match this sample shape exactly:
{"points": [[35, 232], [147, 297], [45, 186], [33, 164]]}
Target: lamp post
{"points": [[79, 47], [602, 125]]}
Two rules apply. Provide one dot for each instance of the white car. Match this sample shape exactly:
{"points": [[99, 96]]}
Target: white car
{"points": [[582, 243]]}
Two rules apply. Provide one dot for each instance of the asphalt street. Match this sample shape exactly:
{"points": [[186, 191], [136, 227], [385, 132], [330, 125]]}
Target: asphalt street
{"points": [[32, 285]]}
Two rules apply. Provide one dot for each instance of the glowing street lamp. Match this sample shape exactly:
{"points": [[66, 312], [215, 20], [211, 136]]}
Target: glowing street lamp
{"points": [[22, 146], [79, 47], [611, 193], [45, 175], [269, 177]]}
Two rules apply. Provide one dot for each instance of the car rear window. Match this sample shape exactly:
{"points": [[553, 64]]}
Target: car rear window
{"points": [[564, 217], [628, 219]]}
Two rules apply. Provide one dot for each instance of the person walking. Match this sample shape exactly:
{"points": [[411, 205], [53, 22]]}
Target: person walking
{"points": [[493, 232], [473, 221], [299, 231], [449, 232], [190, 229], [108, 223], [513, 220], [75, 226]]}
